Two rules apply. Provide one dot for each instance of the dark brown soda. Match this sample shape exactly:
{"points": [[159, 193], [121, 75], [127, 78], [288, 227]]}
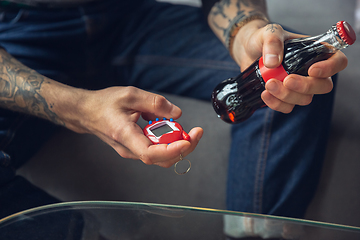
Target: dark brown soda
{"points": [[300, 55], [236, 99]]}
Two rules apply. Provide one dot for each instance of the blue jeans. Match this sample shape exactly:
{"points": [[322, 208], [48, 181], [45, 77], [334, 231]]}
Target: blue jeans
{"points": [[275, 159]]}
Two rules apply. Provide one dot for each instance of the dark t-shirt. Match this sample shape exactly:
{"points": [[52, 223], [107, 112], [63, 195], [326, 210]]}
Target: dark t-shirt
{"points": [[49, 3], [206, 4]]}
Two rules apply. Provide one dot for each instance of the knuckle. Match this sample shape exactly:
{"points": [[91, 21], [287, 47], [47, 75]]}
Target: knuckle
{"points": [[283, 107], [130, 89], [273, 28], [306, 100], [288, 109], [158, 102], [285, 96], [145, 159], [115, 134], [273, 40], [306, 88], [125, 154], [128, 93], [275, 25], [276, 105], [330, 86]]}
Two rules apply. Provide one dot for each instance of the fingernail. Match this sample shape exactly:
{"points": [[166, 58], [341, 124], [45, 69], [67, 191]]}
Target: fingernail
{"points": [[199, 136], [271, 59]]}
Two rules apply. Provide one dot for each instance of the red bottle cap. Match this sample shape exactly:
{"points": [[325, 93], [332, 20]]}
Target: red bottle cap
{"points": [[346, 32]]}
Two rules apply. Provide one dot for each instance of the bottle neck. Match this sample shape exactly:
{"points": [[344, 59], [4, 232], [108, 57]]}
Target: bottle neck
{"points": [[329, 38], [333, 37]]}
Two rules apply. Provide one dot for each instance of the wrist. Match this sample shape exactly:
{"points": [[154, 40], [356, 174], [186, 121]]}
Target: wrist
{"points": [[242, 30], [67, 104]]}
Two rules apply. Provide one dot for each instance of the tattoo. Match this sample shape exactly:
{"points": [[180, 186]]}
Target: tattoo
{"points": [[222, 16], [20, 89], [271, 27]]}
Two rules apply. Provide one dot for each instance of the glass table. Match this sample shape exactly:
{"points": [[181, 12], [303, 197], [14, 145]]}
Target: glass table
{"points": [[104, 220]]}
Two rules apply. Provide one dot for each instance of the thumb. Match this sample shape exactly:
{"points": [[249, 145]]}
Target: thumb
{"points": [[273, 48], [151, 104]]}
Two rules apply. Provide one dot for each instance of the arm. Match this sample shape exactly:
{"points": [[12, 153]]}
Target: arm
{"points": [[20, 89], [111, 113], [243, 27], [227, 17]]}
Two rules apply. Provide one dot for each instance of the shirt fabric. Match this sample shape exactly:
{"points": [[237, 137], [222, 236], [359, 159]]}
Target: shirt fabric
{"points": [[43, 3], [207, 4]]}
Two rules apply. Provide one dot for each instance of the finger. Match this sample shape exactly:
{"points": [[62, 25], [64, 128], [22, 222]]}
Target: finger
{"points": [[195, 136], [329, 67], [143, 101], [168, 163], [134, 139], [149, 116], [276, 104], [308, 85], [273, 48], [279, 91], [165, 155]]}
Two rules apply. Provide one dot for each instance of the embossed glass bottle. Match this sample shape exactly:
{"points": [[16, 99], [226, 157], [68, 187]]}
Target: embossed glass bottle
{"points": [[236, 99]]}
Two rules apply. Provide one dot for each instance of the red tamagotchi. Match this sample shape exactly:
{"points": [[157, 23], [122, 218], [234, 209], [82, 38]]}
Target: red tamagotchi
{"points": [[165, 131]]}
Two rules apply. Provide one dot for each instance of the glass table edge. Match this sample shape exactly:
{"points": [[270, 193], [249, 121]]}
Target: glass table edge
{"points": [[83, 204]]}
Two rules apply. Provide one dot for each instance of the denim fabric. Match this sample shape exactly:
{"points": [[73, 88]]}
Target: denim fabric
{"points": [[275, 158]]}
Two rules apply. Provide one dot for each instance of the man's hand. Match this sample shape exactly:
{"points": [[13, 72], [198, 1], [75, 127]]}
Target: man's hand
{"points": [[255, 39], [112, 113]]}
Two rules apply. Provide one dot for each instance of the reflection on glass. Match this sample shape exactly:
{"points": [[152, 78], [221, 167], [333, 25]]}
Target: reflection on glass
{"points": [[124, 220]]}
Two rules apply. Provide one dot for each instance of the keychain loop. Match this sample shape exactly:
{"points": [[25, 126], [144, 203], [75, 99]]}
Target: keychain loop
{"points": [[187, 170]]}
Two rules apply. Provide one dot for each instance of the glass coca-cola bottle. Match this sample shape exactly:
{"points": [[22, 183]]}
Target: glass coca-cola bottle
{"points": [[236, 99]]}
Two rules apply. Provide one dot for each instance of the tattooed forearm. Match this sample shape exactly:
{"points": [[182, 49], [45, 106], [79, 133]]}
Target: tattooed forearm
{"points": [[226, 13], [20, 89]]}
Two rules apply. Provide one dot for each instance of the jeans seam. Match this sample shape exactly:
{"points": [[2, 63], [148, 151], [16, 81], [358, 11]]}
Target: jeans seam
{"points": [[18, 17], [261, 162]]}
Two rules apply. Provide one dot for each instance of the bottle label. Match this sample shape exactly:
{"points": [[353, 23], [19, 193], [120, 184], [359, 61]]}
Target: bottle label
{"points": [[278, 73]]}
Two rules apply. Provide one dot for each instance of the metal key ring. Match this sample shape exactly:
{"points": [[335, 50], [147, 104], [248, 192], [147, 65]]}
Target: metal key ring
{"points": [[187, 170]]}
